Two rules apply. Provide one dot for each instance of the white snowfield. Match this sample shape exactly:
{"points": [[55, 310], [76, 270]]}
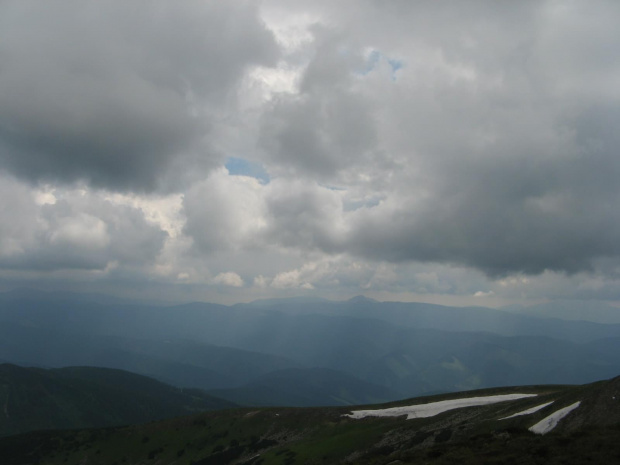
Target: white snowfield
{"points": [[548, 423], [528, 411], [435, 408]]}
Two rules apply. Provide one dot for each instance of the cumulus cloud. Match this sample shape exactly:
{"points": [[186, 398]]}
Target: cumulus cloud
{"points": [[304, 215], [393, 147], [224, 212], [73, 230], [120, 95], [495, 161], [325, 129], [229, 278]]}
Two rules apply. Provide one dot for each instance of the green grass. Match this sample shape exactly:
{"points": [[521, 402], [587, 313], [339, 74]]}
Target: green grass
{"points": [[287, 436]]}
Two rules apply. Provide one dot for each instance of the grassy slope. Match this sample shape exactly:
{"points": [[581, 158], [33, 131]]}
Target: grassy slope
{"points": [[323, 435], [80, 397]]}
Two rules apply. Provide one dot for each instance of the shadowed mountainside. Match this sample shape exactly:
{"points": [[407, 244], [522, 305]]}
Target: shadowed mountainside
{"points": [[80, 397], [264, 436], [406, 348], [312, 387]]}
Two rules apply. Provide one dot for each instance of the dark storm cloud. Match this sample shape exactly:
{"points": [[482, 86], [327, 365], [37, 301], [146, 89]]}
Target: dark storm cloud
{"points": [[526, 203], [326, 128], [499, 235], [304, 215], [503, 133], [117, 93], [404, 146]]}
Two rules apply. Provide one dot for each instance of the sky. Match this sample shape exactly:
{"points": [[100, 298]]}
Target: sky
{"points": [[458, 152]]}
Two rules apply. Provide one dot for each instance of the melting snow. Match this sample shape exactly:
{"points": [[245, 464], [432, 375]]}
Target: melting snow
{"points": [[547, 424], [528, 411], [435, 408]]}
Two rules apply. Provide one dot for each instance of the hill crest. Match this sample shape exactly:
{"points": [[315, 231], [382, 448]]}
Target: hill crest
{"points": [[278, 435]]}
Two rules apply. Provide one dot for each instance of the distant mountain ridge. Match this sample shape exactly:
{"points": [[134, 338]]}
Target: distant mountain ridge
{"points": [[572, 311], [405, 348]]}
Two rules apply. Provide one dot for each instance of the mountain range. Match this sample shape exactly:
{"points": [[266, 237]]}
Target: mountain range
{"points": [[86, 397], [370, 351], [301, 381]]}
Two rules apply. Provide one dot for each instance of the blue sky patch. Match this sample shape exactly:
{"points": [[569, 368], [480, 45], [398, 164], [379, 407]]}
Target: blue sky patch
{"points": [[242, 167], [375, 57], [396, 65]]}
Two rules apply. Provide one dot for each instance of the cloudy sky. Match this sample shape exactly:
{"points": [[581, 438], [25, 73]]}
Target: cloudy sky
{"points": [[460, 152]]}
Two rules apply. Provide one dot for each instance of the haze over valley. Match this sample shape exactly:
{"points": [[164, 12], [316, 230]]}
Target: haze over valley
{"points": [[308, 352]]}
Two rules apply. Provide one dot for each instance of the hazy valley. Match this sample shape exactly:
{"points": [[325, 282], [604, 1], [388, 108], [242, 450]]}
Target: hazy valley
{"points": [[366, 350]]}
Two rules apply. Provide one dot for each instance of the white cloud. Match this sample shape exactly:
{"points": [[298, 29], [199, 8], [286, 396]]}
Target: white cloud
{"points": [[79, 230], [225, 212], [229, 278], [488, 157], [484, 294], [82, 231], [260, 281]]}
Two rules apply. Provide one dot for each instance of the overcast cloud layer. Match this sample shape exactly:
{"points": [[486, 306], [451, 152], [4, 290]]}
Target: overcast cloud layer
{"points": [[459, 152]]}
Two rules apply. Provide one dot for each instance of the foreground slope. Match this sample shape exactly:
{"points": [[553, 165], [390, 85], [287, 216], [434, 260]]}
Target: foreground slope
{"points": [[491, 432], [80, 397]]}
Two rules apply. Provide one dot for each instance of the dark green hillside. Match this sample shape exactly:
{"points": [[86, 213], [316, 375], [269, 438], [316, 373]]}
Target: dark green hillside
{"points": [[310, 387], [470, 435], [80, 397]]}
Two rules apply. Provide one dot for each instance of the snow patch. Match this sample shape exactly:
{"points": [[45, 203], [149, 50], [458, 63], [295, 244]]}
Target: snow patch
{"points": [[548, 423], [435, 408], [528, 411]]}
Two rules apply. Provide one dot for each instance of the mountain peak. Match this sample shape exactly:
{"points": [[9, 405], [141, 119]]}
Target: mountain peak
{"points": [[360, 299]]}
